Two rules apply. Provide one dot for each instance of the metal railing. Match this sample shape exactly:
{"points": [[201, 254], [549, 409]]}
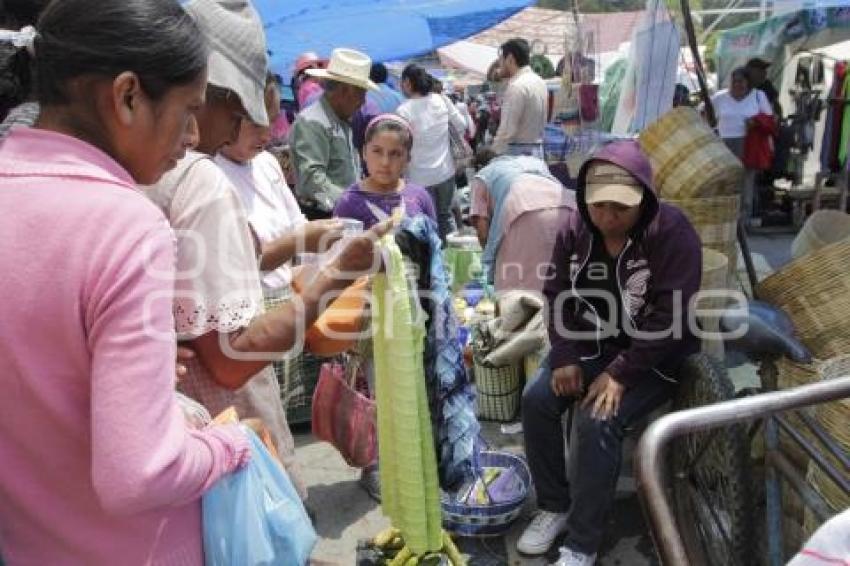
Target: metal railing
{"points": [[650, 458]]}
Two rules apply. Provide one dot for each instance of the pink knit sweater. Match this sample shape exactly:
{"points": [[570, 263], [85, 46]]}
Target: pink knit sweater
{"points": [[96, 463]]}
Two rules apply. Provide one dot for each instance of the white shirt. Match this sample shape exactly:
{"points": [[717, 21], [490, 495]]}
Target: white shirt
{"points": [[269, 203], [732, 115], [524, 108], [431, 160]]}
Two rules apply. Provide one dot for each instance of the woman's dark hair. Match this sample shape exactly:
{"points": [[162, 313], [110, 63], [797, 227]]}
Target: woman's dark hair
{"points": [[378, 73], [156, 39], [741, 73], [387, 125], [420, 81], [520, 50]]}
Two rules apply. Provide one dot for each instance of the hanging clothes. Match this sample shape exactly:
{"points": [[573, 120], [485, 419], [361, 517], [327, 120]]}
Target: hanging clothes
{"points": [[834, 119], [845, 124], [450, 393]]}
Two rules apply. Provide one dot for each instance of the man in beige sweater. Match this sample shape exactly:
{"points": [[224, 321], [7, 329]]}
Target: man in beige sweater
{"points": [[524, 103]]}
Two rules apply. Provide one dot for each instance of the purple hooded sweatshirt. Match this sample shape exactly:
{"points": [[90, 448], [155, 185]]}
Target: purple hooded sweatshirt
{"points": [[658, 273]]}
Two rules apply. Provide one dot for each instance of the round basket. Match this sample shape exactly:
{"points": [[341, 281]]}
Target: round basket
{"points": [[813, 290], [716, 221], [688, 159], [493, 519], [715, 267], [833, 418], [498, 392], [715, 277], [824, 227]]}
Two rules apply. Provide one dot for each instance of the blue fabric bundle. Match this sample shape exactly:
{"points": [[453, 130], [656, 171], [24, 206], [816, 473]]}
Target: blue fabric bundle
{"points": [[450, 392]]}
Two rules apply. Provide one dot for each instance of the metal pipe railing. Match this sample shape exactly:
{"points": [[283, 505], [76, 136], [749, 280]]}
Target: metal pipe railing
{"points": [[649, 458]]}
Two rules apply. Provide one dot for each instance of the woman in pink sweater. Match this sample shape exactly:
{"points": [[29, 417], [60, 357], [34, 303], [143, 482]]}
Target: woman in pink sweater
{"points": [[98, 465]]}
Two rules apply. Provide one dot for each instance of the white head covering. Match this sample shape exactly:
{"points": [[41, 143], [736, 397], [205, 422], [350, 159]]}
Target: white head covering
{"points": [[238, 59]]}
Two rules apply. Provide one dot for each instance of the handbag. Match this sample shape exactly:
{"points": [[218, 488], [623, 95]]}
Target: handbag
{"points": [[460, 149], [344, 417]]}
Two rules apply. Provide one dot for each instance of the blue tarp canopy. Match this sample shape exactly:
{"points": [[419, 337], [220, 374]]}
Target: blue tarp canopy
{"points": [[386, 30]]}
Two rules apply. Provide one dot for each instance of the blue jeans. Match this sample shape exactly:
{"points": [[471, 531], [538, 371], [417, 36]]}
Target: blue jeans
{"points": [[586, 491]]}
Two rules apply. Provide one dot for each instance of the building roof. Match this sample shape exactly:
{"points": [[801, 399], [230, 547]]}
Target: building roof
{"points": [[550, 28]]}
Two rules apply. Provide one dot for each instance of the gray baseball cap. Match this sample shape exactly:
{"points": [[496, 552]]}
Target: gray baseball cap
{"points": [[238, 57]]}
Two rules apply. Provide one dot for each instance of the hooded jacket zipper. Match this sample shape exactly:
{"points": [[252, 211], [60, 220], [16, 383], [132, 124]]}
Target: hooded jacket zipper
{"points": [[582, 299]]}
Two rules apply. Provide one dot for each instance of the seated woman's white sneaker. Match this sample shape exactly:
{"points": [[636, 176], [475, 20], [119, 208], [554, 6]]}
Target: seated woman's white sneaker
{"points": [[541, 532], [570, 557]]}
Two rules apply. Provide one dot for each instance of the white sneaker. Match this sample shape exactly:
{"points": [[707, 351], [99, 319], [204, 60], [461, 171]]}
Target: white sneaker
{"points": [[570, 557], [541, 532]]}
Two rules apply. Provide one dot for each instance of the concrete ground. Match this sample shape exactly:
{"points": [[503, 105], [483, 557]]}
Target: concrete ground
{"points": [[345, 514]]}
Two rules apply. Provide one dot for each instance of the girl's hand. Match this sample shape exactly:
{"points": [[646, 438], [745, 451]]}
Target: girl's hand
{"points": [[605, 394], [360, 255]]}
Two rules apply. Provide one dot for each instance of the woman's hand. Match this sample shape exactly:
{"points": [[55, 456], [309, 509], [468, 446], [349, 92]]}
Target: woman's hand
{"points": [[604, 394], [566, 381], [318, 236], [359, 255]]}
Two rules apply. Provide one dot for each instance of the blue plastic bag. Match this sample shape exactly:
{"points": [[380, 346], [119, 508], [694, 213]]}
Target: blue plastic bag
{"points": [[254, 516]]}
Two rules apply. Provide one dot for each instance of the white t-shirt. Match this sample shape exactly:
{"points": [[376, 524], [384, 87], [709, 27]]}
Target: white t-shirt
{"points": [[269, 203], [431, 160], [732, 115]]}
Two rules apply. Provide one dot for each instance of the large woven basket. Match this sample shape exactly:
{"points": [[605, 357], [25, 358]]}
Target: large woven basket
{"points": [[499, 390], [716, 221], [688, 159], [715, 277], [833, 418], [493, 519], [822, 228], [815, 292]]}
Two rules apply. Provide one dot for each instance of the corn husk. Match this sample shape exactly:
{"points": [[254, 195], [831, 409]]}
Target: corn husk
{"points": [[409, 487]]}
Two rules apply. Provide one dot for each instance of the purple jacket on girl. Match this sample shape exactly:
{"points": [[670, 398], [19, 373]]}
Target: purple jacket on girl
{"points": [[353, 203]]}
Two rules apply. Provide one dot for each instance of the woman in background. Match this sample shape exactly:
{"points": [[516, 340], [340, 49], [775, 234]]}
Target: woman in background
{"points": [[431, 163]]}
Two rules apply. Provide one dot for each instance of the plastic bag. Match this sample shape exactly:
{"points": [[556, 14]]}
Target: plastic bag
{"points": [[254, 517]]}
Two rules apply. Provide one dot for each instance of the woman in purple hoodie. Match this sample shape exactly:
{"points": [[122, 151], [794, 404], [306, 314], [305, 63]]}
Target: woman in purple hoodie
{"points": [[624, 270]]}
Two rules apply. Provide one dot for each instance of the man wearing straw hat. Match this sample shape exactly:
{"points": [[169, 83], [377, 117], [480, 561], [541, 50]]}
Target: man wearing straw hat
{"points": [[625, 268], [323, 151]]}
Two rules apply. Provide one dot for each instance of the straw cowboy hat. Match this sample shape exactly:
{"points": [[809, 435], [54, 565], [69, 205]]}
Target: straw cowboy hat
{"points": [[238, 59], [347, 66]]}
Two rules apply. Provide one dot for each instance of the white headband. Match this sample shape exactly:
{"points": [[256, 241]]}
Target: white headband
{"points": [[24, 38]]}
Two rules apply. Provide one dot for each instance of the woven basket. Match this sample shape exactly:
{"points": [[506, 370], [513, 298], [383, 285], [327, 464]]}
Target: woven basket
{"points": [[716, 221], [815, 292], [833, 418], [487, 520], [688, 159], [822, 228], [299, 387], [499, 391], [715, 276]]}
